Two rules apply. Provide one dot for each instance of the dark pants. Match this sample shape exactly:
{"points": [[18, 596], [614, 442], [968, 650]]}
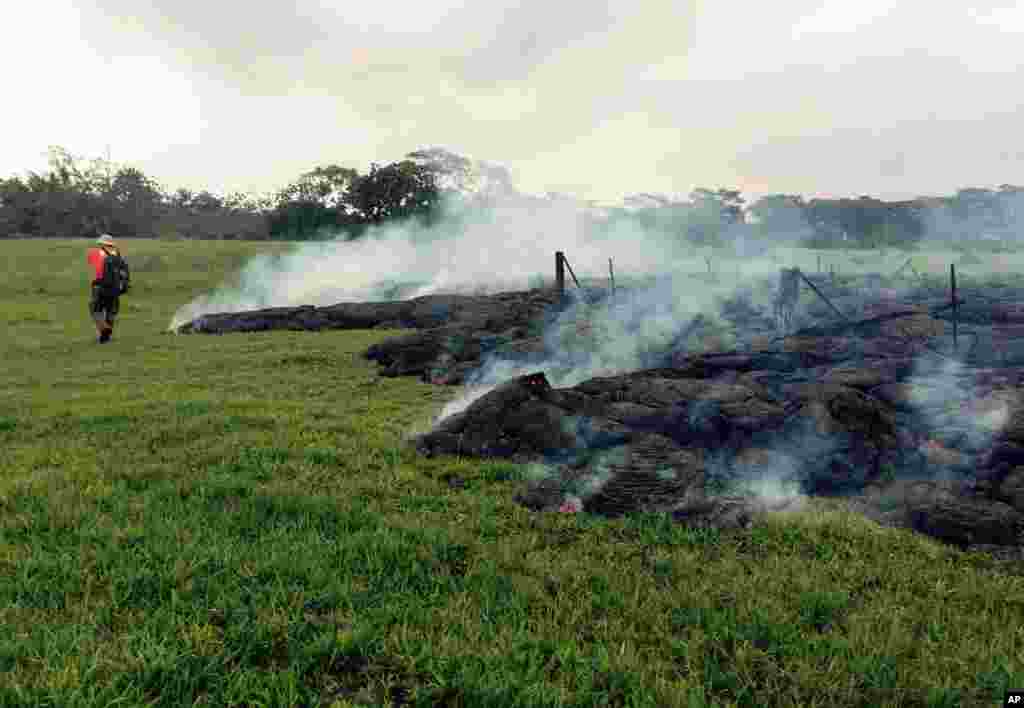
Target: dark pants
{"points": [[103, 308]]}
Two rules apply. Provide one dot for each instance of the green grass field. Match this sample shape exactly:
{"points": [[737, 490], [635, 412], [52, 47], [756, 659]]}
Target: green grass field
{"points": [[235, 520]]}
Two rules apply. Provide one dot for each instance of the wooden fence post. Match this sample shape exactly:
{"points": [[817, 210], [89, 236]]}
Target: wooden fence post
{"points": [[560, 273]]}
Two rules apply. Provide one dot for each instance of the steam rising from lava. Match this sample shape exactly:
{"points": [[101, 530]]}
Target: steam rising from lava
{"points": [[511, 247]]}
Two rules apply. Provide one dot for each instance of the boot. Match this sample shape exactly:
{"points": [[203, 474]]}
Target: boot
{"points": [[105, 335]]}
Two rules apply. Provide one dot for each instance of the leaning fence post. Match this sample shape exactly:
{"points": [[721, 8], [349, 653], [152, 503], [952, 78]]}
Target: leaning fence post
{"points": [[569, 266], [799, 274], [560, 273], [900, 269]]}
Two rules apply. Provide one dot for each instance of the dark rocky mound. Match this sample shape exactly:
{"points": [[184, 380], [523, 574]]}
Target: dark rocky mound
{"points": [[680, 440], [454, 331], [876, 407], [486, 312]]}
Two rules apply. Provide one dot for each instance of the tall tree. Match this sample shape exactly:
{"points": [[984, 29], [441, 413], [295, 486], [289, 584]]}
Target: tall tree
{"points": [[326, 185], [451, 171], [465, 177], [395, 191]]}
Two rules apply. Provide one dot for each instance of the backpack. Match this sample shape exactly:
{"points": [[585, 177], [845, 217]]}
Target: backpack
{"points": [[116, 278]]}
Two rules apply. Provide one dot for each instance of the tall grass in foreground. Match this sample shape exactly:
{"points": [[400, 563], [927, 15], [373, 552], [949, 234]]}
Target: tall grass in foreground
{"points": [[236, 521]]}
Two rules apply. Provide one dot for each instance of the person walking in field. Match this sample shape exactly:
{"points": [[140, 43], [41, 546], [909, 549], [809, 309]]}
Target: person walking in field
{"points": [[111, 281]]}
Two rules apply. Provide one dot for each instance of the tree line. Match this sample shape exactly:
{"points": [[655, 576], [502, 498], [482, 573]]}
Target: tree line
{"points": [[79, 197], [716, 217], [969, 216]]}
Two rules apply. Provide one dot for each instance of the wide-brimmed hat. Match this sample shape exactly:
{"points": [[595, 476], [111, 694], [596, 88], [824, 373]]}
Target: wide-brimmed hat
{"points": [[106, 240]]}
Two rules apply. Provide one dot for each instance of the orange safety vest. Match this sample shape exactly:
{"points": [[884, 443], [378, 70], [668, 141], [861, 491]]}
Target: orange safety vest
{"points": [[97, 257]]}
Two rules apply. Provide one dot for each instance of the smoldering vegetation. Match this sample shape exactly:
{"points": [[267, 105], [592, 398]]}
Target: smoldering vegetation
{"points": [[696, 385]]}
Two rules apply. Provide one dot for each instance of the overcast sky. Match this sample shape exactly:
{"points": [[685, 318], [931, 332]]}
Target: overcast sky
{"points": [[600, 98]]}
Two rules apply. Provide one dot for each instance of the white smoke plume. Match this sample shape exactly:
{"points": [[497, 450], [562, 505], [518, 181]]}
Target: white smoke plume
{"points": [[625, 333], [484, 250], [952, 405], [666, 283]]}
